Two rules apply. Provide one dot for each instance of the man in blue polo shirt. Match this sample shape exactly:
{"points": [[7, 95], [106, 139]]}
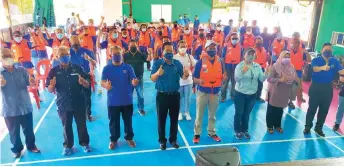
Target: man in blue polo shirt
{"points": [[119, 79], [325, 67], [166, 73]]}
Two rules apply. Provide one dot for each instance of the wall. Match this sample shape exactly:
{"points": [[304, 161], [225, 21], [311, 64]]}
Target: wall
{"points": [[142, 8], [331, 20]]}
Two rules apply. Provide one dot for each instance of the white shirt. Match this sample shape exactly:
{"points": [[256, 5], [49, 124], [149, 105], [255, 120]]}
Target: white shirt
{"points": [[185, 60], [73, 20]]}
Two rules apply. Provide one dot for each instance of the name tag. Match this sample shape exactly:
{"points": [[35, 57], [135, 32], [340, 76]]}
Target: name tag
{"points": [[73, 74]]}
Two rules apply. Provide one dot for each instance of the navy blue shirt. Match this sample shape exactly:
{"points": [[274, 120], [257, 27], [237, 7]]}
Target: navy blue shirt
{"points": [[325, 77], [77, 58], [120, 77], [256, 31], [169, 81], [70, 95], [227, 30]]}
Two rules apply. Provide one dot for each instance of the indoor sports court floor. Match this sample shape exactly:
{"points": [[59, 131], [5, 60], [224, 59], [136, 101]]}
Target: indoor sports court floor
{"points": [[292, 145]]}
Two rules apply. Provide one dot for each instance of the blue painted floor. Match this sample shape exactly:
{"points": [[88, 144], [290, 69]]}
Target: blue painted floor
{"points": [[262, 148]]}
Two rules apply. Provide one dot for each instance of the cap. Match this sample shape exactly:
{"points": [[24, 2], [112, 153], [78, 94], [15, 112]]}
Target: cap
{"points": [[208, 43]]}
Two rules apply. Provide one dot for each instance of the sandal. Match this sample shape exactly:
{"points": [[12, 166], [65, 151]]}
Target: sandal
{"points": [[271, 130], [279, 129]]}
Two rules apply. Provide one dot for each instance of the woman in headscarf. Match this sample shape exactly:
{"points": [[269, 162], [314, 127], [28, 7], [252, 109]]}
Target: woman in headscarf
{"points": [[281, 80]]}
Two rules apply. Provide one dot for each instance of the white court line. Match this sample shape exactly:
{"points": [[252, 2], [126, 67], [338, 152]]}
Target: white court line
{"points": [[187, 144], [157, 150], [36, 128], [320, 136]]}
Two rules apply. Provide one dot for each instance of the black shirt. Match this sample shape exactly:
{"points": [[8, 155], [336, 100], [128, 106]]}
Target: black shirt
{"points": [[136, 61], [70, 95]]}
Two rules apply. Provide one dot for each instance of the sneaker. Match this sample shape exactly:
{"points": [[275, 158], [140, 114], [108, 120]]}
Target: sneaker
{"points": [[306, 131], [320, 132], [247, 135], [87, 149], [187, 116], [215, 137], [131, 143], [112, 145], [16, 155], [196, 139], [238, 135], [67, 151], [180, 117], [291, 105], [142, 112], [336, 127], [89, 118]]}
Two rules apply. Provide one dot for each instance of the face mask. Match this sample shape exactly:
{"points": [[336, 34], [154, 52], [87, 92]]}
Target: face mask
{"points": [[144, 29], [201, 35], [180, 17], [129, 27], [124, 36], [59, 36], [76, 46], [259, 45], [211, 53], [327, 53], [249, 32], [65, 59], [116, 58], [115, 35], [187, 31], [218, 28], [160, 33], [249, 58], [18, 39], [133, 49], [8, 62], [182, 50], [175, 25], [279, 37], [234, 41], [161, 24], [285, 61], [168, 56]]}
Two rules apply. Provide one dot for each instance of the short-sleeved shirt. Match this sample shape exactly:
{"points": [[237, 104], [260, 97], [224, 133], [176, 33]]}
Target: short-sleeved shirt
{"points": [[325, 77], [70, 95], [15, 97], [136, 61], [169, 81], [187, 61], [120, 77], [77, 58], [197, 74]]}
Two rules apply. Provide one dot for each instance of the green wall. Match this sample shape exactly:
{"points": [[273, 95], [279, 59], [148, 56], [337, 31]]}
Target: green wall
{"points": [[142, 9], [332, 19]]}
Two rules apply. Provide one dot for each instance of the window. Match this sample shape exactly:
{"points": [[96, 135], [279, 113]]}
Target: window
{"points": [[161, 11], [338, 39], [3, 18]]}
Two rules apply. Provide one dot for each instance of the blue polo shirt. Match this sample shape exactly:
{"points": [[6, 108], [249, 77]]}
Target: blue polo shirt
{"points": [[169, 81], [325, 77], [197, 74], [77, 57], [227, 30], [120, 77]]}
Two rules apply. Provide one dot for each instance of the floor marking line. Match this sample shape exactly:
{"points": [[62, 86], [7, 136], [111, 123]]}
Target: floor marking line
{"points": [[187, 144], [36, 128], [320, 136]]}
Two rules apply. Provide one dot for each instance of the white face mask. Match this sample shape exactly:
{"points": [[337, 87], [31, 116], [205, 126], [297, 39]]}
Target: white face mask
{"points": [[8, 62], [187, 31], [218, 28], [18, 39], [144, 29], [182, 50], [249, 32]]}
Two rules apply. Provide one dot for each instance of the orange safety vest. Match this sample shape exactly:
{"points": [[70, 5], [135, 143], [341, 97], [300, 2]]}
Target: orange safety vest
{"points": [[57, 43], [175, 34], [296, 59], [233, 54], [87, 42], [261, 57], [210, 73], [21, 51], [188, 39], [248, 41], [110, 44], [132, 33], [92, 30], [157, 45], [200, 42], [164, 31], [144, 39], [125, 40], [277, 47], [219, 37], [39, 43]]}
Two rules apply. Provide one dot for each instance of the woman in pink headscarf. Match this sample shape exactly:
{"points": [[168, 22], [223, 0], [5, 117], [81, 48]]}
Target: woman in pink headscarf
{"points": [[281, 80]]}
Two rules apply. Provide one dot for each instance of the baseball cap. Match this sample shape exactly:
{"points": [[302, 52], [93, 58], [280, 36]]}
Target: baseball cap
{"points": [[208, 43]]}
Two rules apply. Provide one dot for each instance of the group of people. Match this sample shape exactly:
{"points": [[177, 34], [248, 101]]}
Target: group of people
{"points": [[185, 59]]}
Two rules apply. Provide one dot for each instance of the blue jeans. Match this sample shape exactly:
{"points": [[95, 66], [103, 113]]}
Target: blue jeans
{"points": [[139, 92], [243, 106], [340, 111], [185, 98]]}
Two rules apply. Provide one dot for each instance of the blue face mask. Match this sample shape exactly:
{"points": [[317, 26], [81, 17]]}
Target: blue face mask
{"points": [[168, 56], [234, 41], [115, 35], [65, 59], [327, 53], [116, 58], [59, 36], [211, 53]]}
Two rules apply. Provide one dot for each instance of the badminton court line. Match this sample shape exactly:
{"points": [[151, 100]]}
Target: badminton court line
{"points": [[157, 150], [36, 128], [187, 144]]}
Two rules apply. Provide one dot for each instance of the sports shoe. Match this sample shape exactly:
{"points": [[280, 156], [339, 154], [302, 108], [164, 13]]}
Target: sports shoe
{"points": [[238, 136], [336, 127], [180, 117], [187, 116], [67, 151], [142, 112], [196, 139], [215, 137], [320, 132], [17, 155], [87, 148], [89, 118], [247, 135]]}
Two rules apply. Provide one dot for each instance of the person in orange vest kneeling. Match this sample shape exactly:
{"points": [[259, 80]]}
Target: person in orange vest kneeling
{"points": [[209, 74], [261, 59]]}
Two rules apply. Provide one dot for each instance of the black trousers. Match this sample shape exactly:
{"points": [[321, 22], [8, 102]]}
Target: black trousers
{"points": [[148, 64], [260, 88], [114, 114], [88, 93], [13, 125], [67, 121], [320, 97], [274, 116], [168, 103]]}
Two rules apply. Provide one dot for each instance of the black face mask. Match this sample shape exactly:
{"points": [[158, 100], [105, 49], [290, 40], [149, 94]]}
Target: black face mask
{"points": [[133, 49], [201, 35], [76, 46], [175, 25], [160, 33]]}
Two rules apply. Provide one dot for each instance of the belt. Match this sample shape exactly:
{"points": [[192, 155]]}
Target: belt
{"points": [[168, 93]]}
